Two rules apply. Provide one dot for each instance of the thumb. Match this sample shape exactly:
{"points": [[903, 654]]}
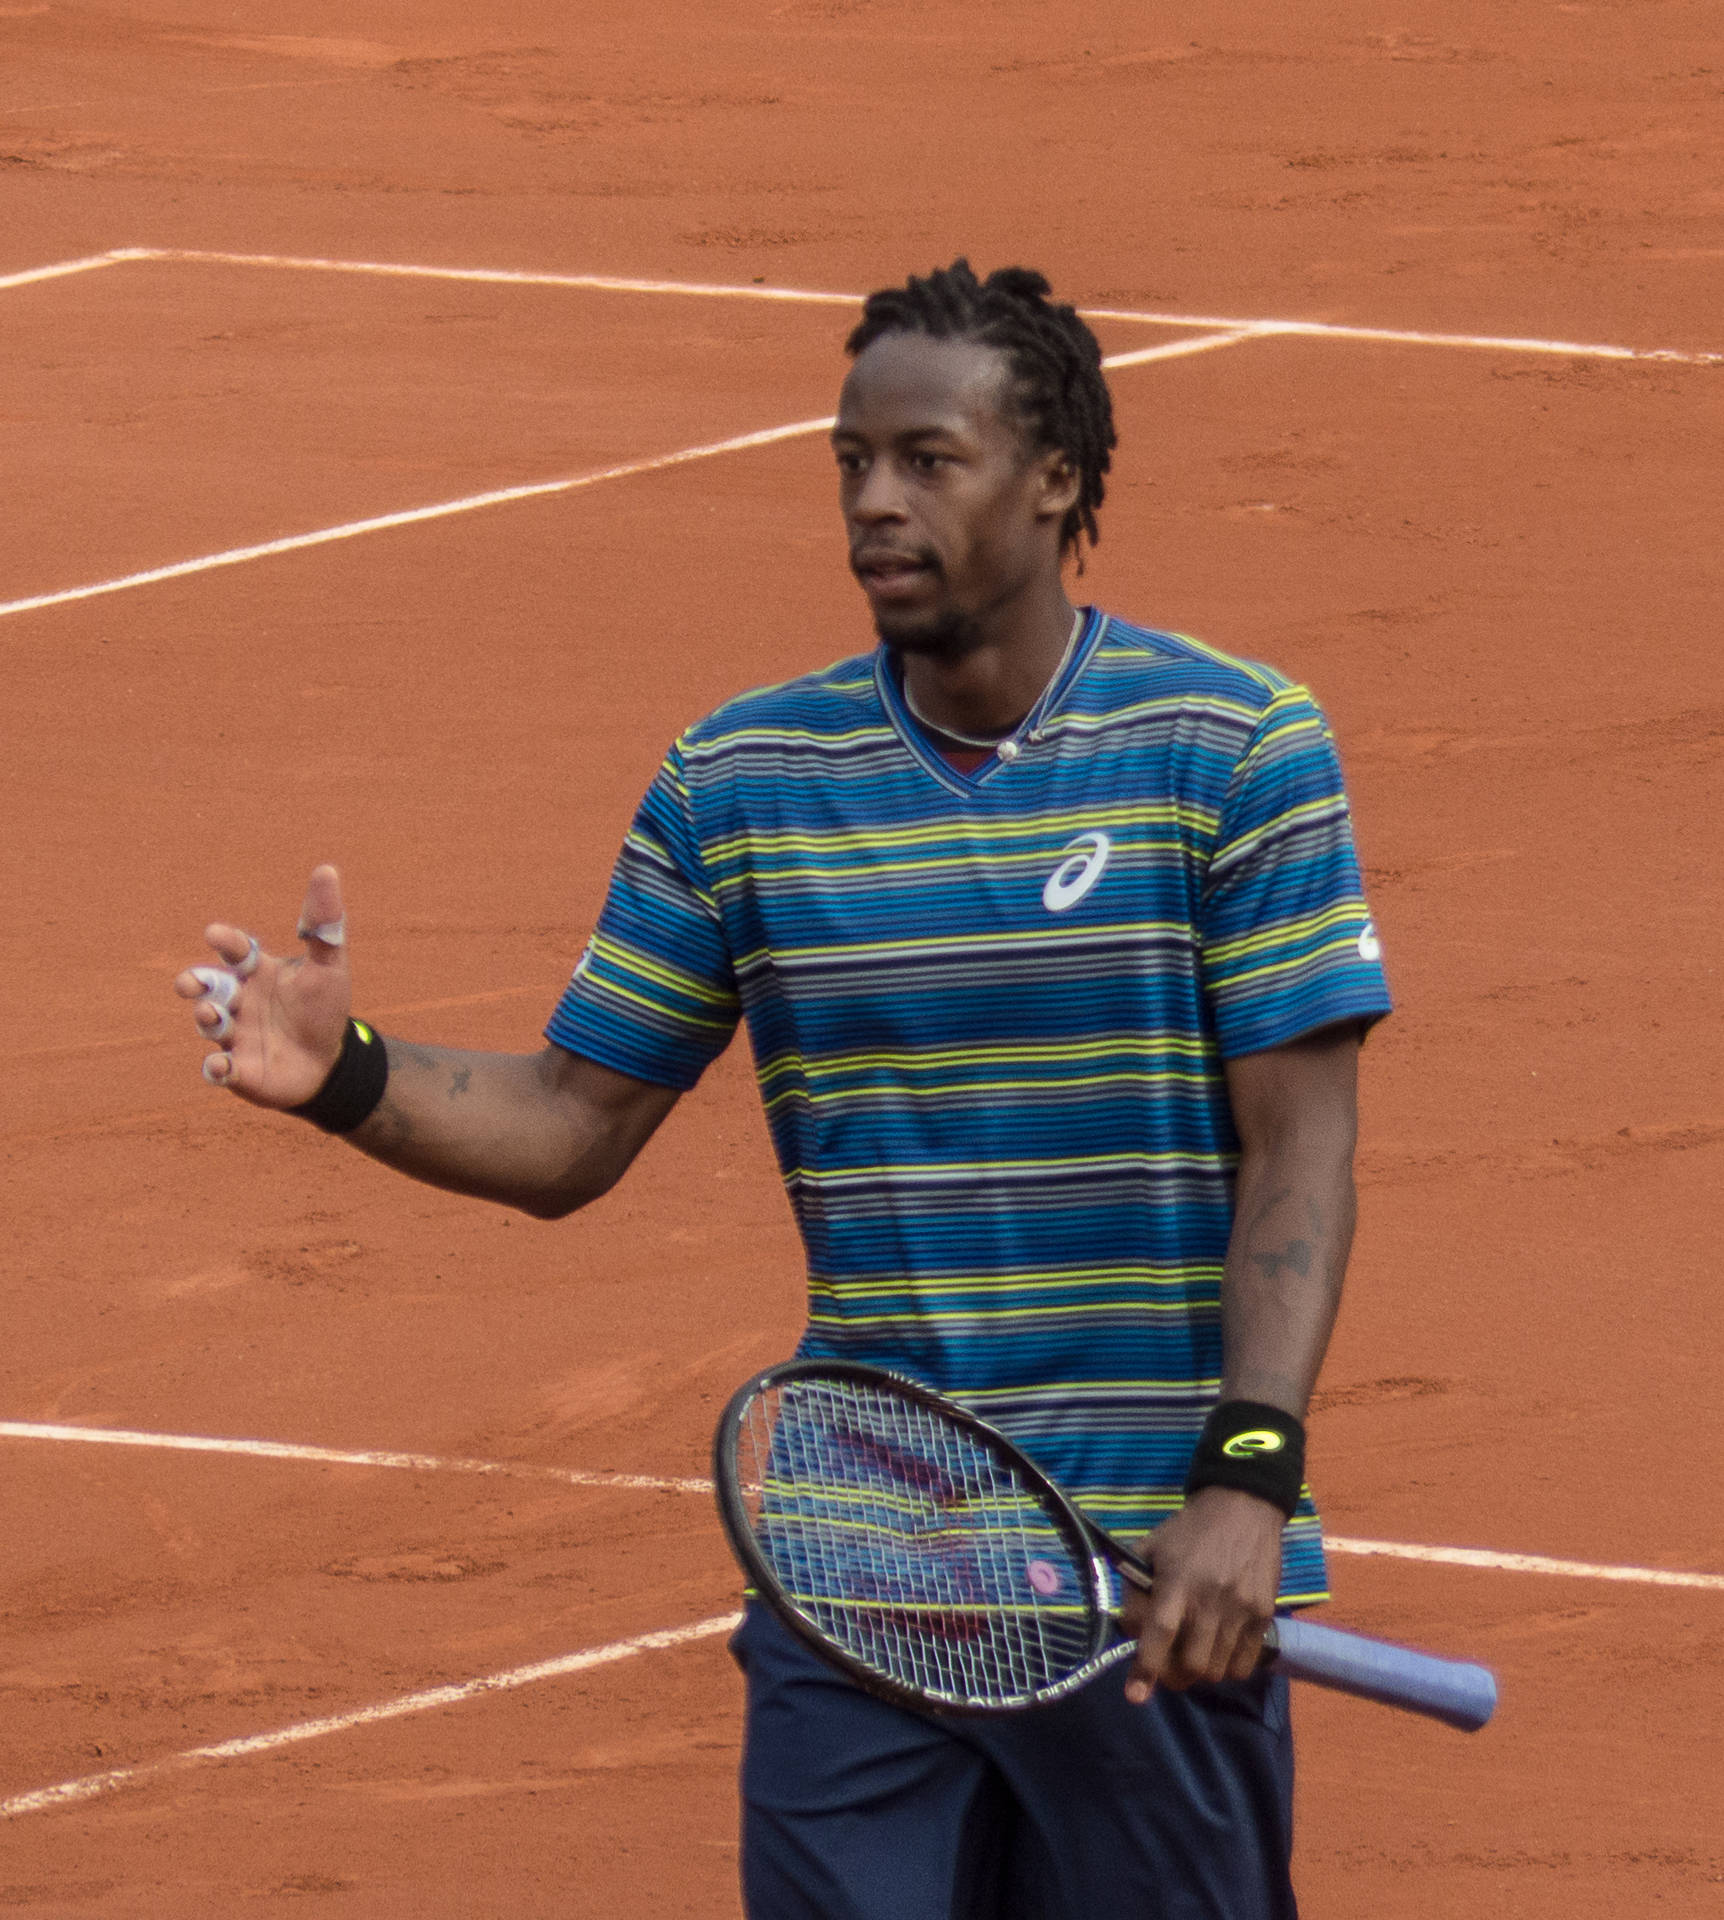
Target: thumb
{"points": [[322, 920]]}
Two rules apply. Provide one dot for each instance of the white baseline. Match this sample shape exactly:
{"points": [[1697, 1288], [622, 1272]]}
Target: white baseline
{"points": [[349, 1456], [1526, 1563], [1484, 1557], [812, 296]]}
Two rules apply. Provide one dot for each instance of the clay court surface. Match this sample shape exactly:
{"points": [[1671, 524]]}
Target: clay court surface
{"points": [[1495, 564]]}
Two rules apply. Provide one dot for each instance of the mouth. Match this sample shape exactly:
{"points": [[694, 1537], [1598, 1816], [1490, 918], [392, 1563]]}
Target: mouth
{"points": [[886, 573]]}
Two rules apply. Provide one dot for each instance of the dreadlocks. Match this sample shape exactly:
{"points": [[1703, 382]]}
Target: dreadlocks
{"points": [[1054, 358]]}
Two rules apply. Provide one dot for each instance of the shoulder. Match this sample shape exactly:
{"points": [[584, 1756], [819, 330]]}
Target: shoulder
{"points": [[1136, 664], [1206, 716], [830, 707]]}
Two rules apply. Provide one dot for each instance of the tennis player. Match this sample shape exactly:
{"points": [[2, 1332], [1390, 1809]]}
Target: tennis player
{"points": [[1049, 936]]}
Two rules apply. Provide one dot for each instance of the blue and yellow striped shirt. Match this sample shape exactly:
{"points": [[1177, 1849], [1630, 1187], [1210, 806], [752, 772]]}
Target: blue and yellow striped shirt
{"points": [[989, 1015]]}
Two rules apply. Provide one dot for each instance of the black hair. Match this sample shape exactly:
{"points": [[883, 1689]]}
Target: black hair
{"points": [[1054, 358]]}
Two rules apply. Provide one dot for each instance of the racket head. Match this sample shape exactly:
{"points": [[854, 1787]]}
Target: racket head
{"points": [[908, 1542]]}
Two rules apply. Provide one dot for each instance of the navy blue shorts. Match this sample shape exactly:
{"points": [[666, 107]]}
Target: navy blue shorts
{"points": [[1088, 1810]]}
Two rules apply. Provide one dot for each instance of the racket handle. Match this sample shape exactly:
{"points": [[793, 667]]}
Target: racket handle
{"points": [[1452, 1691]]}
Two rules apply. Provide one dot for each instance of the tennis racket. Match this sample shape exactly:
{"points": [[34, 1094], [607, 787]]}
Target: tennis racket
{"points": [[932, 1561]]}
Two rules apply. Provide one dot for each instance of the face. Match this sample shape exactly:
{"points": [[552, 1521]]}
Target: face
{"points": [[950, 512]]}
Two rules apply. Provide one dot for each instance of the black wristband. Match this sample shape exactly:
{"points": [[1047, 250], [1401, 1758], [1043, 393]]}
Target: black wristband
{"points": [[355, 1083], [1253, 1448]]}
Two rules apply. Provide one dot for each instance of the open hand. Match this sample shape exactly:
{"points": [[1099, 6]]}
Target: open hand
{"points": [[278, 1024], [1217, 1569]]}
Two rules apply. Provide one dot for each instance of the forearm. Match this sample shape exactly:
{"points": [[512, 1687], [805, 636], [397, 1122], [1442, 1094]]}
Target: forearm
{"points": [[545, 1132], [1218, 1560], [501, 1126], [1286, 1260]]}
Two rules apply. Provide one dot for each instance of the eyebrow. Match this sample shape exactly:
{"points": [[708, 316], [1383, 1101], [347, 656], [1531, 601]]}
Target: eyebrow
{"points": [[842, 432]]}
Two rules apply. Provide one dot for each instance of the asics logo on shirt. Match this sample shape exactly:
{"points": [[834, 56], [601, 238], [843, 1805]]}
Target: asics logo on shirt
{"points": [[1077, 873], [1370, 947]]}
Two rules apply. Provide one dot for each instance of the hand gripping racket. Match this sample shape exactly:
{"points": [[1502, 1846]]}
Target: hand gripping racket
{"points": [[929, 1559]]}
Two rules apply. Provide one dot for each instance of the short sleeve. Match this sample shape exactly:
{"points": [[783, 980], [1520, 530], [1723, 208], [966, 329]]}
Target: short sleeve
{"points": [[1288, 944], [654, 995]]}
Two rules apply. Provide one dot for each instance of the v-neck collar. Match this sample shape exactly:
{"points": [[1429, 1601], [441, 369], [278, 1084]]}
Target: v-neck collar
{"points": [[1027, 734]]}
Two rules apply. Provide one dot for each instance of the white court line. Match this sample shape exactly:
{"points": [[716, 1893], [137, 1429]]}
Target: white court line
{"points": [[581, 1477], [810, 296], [709, 290], [1398, 336], [1174, 348], [92, 1785], [502, 496], [86, 265], [442, 510], [497, 276], [347, 1456], [1527, 1563]]}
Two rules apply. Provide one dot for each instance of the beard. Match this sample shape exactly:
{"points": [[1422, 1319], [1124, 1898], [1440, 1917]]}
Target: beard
{"points": [[946, 635]]}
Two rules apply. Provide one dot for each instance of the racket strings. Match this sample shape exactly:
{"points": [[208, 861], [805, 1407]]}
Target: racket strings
{"points": [[913, 1545]]}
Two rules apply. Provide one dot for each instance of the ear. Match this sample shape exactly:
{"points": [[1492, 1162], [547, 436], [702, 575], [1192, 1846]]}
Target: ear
{"points": [[1058, 486]]}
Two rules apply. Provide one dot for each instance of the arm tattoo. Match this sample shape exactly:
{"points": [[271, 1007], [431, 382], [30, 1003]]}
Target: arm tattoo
{"points": [[1294, 1257], [458, 1081]]}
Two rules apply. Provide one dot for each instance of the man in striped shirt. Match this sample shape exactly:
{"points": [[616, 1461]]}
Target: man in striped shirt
{"points": [[1049, 937]]}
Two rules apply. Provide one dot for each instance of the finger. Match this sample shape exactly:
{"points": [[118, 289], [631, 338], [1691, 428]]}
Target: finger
{"points": [[219, 984], [219, 990], [322, 921], [1221, 1641], [1199, 1655], [218, 1068], [213, 1019], [1154, 1644], [234, 945], [1247, 1650]]}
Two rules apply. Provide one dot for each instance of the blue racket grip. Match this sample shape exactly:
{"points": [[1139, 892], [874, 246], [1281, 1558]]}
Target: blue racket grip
{"points": [[1453, 1691]]}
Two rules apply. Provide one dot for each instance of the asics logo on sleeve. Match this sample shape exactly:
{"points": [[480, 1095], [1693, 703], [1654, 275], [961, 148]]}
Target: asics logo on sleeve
{"points": [[1370, 947], [1077, 873]]}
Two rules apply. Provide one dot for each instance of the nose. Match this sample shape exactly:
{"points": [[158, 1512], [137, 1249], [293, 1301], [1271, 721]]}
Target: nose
{"points": [[877, 497]]}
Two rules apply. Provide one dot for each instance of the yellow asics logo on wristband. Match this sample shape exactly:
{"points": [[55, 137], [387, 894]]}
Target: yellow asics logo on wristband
{"points": [[1259, 1440]]}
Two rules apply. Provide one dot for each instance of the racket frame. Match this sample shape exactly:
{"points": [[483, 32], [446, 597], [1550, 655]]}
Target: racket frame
{"points": [[1091, 1549], [1458, 1693]]}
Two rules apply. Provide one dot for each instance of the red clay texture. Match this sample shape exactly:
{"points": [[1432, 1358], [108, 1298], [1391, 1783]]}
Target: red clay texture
{"points": [[1497, 568]]}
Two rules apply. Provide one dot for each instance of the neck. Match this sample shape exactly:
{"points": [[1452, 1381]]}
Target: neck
{"points": [[989, 688]]}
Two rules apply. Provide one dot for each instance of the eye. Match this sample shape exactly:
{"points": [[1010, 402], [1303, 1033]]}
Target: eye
{"points": [[925, 461], [849, 462]]}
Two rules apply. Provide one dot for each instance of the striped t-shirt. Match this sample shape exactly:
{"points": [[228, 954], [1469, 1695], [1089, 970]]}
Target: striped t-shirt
{"points": [[989, 1014]]}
